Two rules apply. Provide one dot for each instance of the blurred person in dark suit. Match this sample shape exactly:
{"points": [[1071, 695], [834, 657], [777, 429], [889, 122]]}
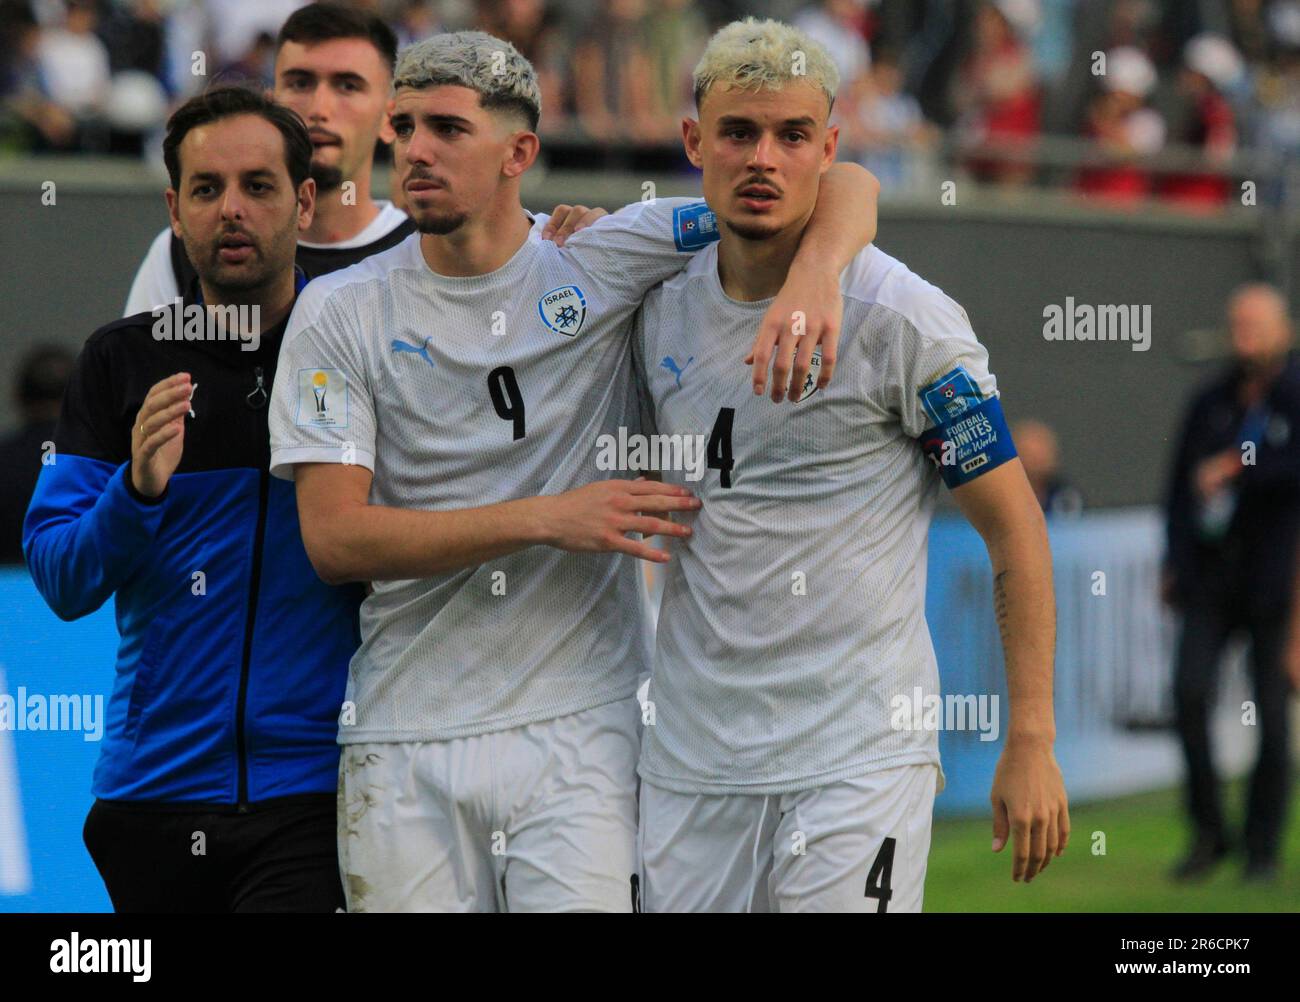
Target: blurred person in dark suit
{"points": [[1234, 509], [38, 391]]}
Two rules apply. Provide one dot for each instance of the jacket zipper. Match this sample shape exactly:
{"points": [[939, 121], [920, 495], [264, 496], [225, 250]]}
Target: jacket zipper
{"points": [[258, 397], [241, 710]]}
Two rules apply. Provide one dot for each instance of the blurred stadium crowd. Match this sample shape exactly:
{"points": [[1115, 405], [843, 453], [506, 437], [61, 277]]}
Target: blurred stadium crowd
{"points": [[1114, 99]]}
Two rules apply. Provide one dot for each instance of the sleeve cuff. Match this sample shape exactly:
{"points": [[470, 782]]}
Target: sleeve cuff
{"points": [[284, 459], [135, 495]]}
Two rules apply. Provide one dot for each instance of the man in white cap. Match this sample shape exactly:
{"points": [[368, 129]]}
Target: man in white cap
{"points": [[1211, 66], [1123, 127]]}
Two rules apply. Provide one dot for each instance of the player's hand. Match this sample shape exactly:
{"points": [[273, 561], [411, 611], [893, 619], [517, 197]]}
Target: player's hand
{"points": [[567, 220], [807, 312], [595, 518], [1030, 805], [158, 435]]}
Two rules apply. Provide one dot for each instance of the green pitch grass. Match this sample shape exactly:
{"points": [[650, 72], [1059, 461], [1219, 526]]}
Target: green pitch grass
{"points": [[1144, 836]]}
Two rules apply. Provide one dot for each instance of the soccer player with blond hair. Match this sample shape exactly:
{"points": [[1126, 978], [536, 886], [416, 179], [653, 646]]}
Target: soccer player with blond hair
{"points": [[777, 771]]}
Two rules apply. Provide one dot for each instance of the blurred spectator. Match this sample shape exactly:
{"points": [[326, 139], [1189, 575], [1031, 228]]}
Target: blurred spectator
{"points": [[185, 42], [612, 76], [133, 33], [888, 127], [1136, 23], [28, 116], [1279, 97], [38, 391], [417, 20], [74, 62], [1211, 66], [1234, 516], [998, 73], [838, 25], [256, 67], [1040, 455], [1051, 38], [676, 33], [529, 25], [1122, 127], [136, 104], [997, 92], [1277, 128], [1249, 29], [1284, 26], [234, 25]]}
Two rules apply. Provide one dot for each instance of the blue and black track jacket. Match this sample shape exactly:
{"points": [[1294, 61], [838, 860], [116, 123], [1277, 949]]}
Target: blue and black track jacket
{"points": [[234, 654]]}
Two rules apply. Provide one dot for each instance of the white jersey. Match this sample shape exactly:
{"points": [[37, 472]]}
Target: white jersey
{"points": [[463, 392], [792, 621]]}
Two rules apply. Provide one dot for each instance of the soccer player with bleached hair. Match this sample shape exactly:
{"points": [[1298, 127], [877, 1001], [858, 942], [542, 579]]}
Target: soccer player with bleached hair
{"points": [[439, 407], [778, 773]]}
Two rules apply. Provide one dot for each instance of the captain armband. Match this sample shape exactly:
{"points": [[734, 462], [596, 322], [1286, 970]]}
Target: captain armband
{"points": [[969, 434]]}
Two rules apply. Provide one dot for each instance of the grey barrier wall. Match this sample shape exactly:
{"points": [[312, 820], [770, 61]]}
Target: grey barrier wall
{"points": [[68, 266]]}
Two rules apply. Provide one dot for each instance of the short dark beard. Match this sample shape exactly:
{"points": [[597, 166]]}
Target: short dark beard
{"points": [[277, 247], [440, 225], [755, 233], [327, 178], [237, 288]]}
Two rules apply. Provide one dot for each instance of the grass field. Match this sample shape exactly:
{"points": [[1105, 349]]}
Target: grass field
{"points": [[1145, 836]]}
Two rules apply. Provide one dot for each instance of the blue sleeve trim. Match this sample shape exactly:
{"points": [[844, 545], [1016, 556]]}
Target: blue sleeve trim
{"points": [[950, 396], [85, 534], [694, 226], [970, 445]]}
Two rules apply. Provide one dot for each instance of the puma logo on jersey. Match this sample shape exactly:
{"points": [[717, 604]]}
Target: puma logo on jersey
{"points": [[671, 365], [422, 351]]}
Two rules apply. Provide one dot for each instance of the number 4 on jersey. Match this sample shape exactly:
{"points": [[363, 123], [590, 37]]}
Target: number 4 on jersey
{"points": [[718, 453], [878, 877]]}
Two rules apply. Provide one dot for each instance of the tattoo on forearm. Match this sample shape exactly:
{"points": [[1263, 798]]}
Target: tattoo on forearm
{"points": [[1000, 604]]}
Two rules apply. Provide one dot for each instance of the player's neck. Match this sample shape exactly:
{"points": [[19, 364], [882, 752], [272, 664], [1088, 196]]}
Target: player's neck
{"points": [[752, 270], [342, 213], [481, 245], [273, 300]]}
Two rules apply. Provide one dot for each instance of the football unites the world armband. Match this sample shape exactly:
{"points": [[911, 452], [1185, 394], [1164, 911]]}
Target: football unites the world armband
{"points": [[969, 434]]}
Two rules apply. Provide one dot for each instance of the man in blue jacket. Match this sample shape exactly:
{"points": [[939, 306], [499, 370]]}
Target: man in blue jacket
{"points": [[216, 783]]}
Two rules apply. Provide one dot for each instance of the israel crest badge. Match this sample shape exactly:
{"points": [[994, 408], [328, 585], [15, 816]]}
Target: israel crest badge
{"points": [[563, 310]]}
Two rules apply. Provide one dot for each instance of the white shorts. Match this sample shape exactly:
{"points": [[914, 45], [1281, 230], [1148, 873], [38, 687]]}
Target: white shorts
{"points": [[859, 845], [537, 818]]}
